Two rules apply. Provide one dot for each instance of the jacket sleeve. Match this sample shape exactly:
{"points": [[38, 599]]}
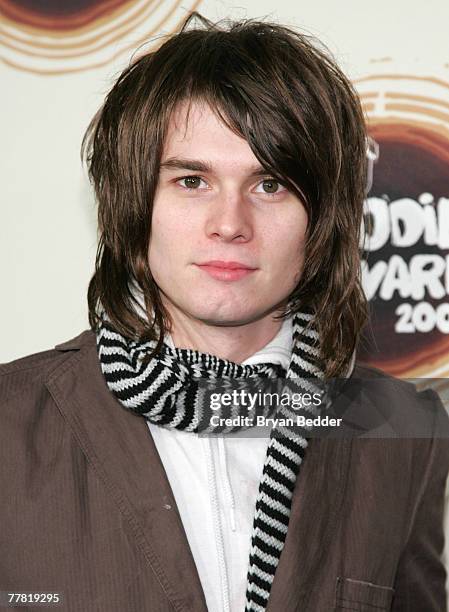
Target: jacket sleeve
{"points": [[420, 583]]}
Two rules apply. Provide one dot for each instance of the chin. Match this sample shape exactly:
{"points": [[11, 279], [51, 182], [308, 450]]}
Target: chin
{"points": [[227, 321], [227, 315]]}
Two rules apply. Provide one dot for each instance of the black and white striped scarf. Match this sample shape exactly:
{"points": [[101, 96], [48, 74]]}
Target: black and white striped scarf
{"points": [[169, 390]]}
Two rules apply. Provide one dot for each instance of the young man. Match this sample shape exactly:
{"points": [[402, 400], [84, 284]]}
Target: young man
{"points": [[230, 168]]}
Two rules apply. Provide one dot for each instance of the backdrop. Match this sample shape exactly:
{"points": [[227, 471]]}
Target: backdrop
{"points": [[59, 60]]}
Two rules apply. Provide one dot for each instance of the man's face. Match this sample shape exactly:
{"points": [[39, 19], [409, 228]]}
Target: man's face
{"points": [[227, 241]]}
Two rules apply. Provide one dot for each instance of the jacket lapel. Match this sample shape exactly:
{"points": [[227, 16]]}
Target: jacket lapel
{"points": [[120, 448]]}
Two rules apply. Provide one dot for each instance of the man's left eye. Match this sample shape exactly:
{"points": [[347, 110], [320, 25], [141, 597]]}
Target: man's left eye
{"points": [[270, 186]]}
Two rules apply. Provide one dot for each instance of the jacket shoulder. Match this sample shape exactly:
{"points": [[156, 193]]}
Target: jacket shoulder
{"points": [[368, 372], [412, 408], [372, 375], [26, 373]]}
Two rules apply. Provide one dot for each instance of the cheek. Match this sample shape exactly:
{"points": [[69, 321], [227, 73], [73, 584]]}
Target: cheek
{"points": [[164, 225], [159, 243], [291, 264], [287, 246]]}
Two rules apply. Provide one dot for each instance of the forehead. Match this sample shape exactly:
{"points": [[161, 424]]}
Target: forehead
{"points": [[194, 128]]}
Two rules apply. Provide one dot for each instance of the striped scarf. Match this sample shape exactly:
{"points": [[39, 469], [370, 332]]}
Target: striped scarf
{"points": [[173, 389]]}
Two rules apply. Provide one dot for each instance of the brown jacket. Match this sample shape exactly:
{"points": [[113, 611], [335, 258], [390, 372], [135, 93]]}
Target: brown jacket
{"points": [[86, 509]]}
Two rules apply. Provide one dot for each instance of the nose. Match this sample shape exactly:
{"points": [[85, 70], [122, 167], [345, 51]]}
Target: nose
{"points": [[229, 218]]}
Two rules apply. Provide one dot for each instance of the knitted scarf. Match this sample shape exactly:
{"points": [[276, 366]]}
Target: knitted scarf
{"points": [[170, 390]]}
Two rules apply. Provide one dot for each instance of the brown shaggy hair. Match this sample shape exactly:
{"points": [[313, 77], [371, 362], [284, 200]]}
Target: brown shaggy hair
{"points": [[281, 91]]}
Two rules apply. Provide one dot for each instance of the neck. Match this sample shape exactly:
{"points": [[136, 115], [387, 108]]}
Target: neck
{"points": [[231, 342]]}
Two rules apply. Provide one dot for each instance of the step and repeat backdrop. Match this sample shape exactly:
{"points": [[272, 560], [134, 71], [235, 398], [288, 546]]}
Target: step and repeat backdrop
{"points": [[58, 61]]}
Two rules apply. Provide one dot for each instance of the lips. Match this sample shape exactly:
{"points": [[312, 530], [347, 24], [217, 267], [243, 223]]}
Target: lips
{"points": [[226, 265], [226, 270]]}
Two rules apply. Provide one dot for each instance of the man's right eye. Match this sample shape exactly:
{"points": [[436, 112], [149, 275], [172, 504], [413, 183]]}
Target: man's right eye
{"points": [[191, 182]]}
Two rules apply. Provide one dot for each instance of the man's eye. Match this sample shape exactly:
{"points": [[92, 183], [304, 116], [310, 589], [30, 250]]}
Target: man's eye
{"points": [[270, 186], [191, 182]]}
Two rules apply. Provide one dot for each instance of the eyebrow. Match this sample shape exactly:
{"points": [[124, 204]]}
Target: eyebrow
{"points": [[198, 165]]}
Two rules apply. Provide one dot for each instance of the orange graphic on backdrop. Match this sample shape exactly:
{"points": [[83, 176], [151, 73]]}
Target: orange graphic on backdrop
{"points": [[50, 37], [409, 117]]}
